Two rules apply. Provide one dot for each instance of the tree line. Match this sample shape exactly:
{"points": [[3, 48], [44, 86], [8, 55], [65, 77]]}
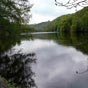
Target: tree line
{"points": [[76, 22]]}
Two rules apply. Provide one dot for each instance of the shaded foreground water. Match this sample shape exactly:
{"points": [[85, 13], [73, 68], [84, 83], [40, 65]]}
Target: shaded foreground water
{"points": [[62, 59]]}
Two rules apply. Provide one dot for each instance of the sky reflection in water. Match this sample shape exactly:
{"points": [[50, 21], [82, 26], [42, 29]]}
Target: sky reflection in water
{"points": [[56, 64]]}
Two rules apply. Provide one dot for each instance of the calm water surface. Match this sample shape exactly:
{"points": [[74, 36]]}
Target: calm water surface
{"points": [[62, 62]]}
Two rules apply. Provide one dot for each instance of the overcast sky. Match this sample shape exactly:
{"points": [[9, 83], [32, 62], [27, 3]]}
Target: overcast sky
{"points": [[45, 10]]}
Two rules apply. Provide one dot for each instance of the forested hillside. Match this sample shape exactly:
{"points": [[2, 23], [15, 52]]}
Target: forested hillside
{"points": [[71, 22], [40, 26]]}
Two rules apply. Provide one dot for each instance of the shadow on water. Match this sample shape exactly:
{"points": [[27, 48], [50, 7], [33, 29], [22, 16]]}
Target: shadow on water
{"points": [[17, 68], [8, 42]]}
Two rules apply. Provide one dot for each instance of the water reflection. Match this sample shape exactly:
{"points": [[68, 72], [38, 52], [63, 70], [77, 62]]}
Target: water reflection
{"points": [[7, 42], [62, 61], [78, 41], [57, 64], [17, 68]]}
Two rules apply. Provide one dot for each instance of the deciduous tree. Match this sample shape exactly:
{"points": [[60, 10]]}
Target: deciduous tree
{"points": [[15, 10]]}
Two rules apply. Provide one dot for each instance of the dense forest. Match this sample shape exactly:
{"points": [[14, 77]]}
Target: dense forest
{"points": [[40, 27], [76, 22]]}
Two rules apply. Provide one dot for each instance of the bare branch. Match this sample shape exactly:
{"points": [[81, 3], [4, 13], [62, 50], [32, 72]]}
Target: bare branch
{"points": [[72, 3]]}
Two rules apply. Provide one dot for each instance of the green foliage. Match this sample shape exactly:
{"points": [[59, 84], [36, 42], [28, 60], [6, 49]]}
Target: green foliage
{"points": [[40, 26], [11, 84], [13, 14], [8, 83], [80, 20], [70, 23], [26, 28], [15, 10]]}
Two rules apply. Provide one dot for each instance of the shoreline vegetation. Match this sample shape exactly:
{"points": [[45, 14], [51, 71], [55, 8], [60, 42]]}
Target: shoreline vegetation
{"points": [[13, 21], [14, 16]]}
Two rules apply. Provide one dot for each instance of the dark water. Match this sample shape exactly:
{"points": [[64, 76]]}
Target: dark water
{"points": [[62, 59]]}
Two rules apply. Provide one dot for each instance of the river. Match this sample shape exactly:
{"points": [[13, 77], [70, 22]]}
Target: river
{"points": [[61, 60]]}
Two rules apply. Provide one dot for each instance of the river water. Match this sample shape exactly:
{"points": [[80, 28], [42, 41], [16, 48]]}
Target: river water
{"points": [[61, 60]]}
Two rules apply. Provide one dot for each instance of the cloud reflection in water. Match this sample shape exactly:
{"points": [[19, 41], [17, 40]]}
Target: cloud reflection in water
{"points": [[57, 65]]}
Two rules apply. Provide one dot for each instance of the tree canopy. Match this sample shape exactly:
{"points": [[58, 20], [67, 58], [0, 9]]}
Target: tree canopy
{"points": [[15, 10], [76, 22], [13, 14]]}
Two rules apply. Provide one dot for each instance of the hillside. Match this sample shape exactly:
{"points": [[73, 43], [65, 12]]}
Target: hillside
{"points": [[40, 26], [77, 22]]}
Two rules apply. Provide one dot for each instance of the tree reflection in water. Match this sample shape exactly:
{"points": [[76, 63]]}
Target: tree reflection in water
{"points": [[17, 68]]}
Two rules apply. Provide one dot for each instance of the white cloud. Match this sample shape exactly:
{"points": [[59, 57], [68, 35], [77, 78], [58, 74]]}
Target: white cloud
{"points": [[37, 18], [47, 10]]}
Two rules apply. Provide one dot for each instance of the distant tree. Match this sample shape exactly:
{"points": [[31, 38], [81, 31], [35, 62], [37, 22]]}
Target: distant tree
{"points": [[72, 3]]}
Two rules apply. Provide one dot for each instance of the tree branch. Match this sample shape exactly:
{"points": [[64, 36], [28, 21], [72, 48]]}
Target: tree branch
{"points": [[72, 3]]}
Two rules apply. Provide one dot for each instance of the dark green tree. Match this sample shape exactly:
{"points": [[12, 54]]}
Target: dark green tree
{"points": [[76, 22], [13, 14]]}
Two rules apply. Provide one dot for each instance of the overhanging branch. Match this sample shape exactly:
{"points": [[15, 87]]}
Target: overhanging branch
{"points": [[72, 3]]}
